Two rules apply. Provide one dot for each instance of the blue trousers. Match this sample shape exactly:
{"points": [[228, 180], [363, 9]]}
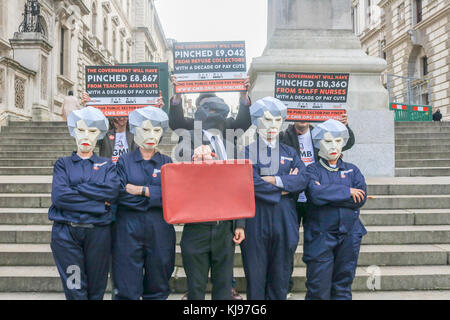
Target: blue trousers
{"points": [[268, 250], [143, 256], [331, 260], [82, 256]]}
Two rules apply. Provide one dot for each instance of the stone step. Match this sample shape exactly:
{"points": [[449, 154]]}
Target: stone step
{"points": [[415, 124], [393, 278], [30, 200], [408, 202], [39, 216], [422, 172], [43, 185], [377, 235], [26, 171], [357, 295], [381, 255], [407, 234], [48, 138], [26, 184], [420, 130], [35, 130], [37, 234], [418, 141], [430, 155], [27, 162], [37, 124], [405, 217], [25, 200], [420, 189], [436, 136], [24, 216], [57, 147], [49, 124], [422, 163], [429, 149]]}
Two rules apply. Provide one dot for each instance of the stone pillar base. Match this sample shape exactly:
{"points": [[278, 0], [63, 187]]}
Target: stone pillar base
{"points": [[374, 149], [41, 113]]}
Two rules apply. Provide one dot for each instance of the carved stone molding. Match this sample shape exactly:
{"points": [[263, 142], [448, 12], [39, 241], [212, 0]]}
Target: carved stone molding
{"points": [[63, 85], [106, 6], [19, 92], [44, 77], [116, 20]]}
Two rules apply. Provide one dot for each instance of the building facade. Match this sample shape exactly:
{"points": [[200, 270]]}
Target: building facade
{"points": [[37, 69], [413, 36]]}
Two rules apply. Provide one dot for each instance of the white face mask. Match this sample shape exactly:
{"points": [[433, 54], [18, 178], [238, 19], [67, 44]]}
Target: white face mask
{"points": [[147, 136], [86, 137], [269, 126], [330, 147]]}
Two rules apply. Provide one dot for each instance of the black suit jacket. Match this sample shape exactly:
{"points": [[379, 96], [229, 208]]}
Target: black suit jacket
{"points": [[177, 120], [107, 145]]}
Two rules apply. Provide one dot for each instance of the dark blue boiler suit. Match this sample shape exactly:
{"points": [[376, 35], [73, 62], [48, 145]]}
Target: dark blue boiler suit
{"points": [[333, 231], [272, 235], [144, 244], [81, 235]]}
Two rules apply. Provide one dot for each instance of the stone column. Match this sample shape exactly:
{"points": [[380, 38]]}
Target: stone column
{"points": [[316, 36], [32, 51]]}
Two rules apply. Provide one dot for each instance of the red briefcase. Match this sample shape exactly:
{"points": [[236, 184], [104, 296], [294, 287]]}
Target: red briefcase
{"points": [[207, 191]]}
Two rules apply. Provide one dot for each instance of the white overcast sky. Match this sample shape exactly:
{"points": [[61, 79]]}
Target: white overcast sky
{"points": [[217, 20]]}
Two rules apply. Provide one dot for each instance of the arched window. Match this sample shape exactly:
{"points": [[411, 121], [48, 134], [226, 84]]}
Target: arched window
{"points": [[94, 19], [416, 67], [417, 72]]}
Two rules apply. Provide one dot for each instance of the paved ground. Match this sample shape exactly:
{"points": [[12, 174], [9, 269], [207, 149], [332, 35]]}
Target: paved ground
{"points": [[381, 295]]}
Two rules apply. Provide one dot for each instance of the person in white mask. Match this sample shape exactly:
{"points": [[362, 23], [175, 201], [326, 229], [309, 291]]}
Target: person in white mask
{"points": [[144, 244], [272, 235], [83, 187], [332, 228], [298, 136]]}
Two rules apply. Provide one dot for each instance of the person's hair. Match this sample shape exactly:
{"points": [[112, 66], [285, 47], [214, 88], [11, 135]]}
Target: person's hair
{"points": [[203, 96], [70, 93]]}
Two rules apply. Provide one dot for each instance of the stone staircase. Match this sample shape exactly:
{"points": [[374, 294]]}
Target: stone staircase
{"points": [[406, 252], [422, 149]]}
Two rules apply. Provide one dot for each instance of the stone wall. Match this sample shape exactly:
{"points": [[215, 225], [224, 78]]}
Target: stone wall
{"points": [[84, 44], [405, 41]]}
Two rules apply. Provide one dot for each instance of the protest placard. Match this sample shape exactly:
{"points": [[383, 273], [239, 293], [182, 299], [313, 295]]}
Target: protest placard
{"points": [[118, 90], [312, 96], [210, 66]]}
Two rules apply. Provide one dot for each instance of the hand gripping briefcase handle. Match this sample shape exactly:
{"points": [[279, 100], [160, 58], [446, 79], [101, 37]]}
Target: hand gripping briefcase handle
{"points": [[207, 191]]}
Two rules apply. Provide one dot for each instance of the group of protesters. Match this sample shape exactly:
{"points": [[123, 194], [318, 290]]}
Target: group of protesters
{"points": [[107, 210]]}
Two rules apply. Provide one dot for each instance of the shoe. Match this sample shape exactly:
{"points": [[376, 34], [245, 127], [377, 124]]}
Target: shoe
{"points": [[235, 295], [290, 296], [185, 296]]}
